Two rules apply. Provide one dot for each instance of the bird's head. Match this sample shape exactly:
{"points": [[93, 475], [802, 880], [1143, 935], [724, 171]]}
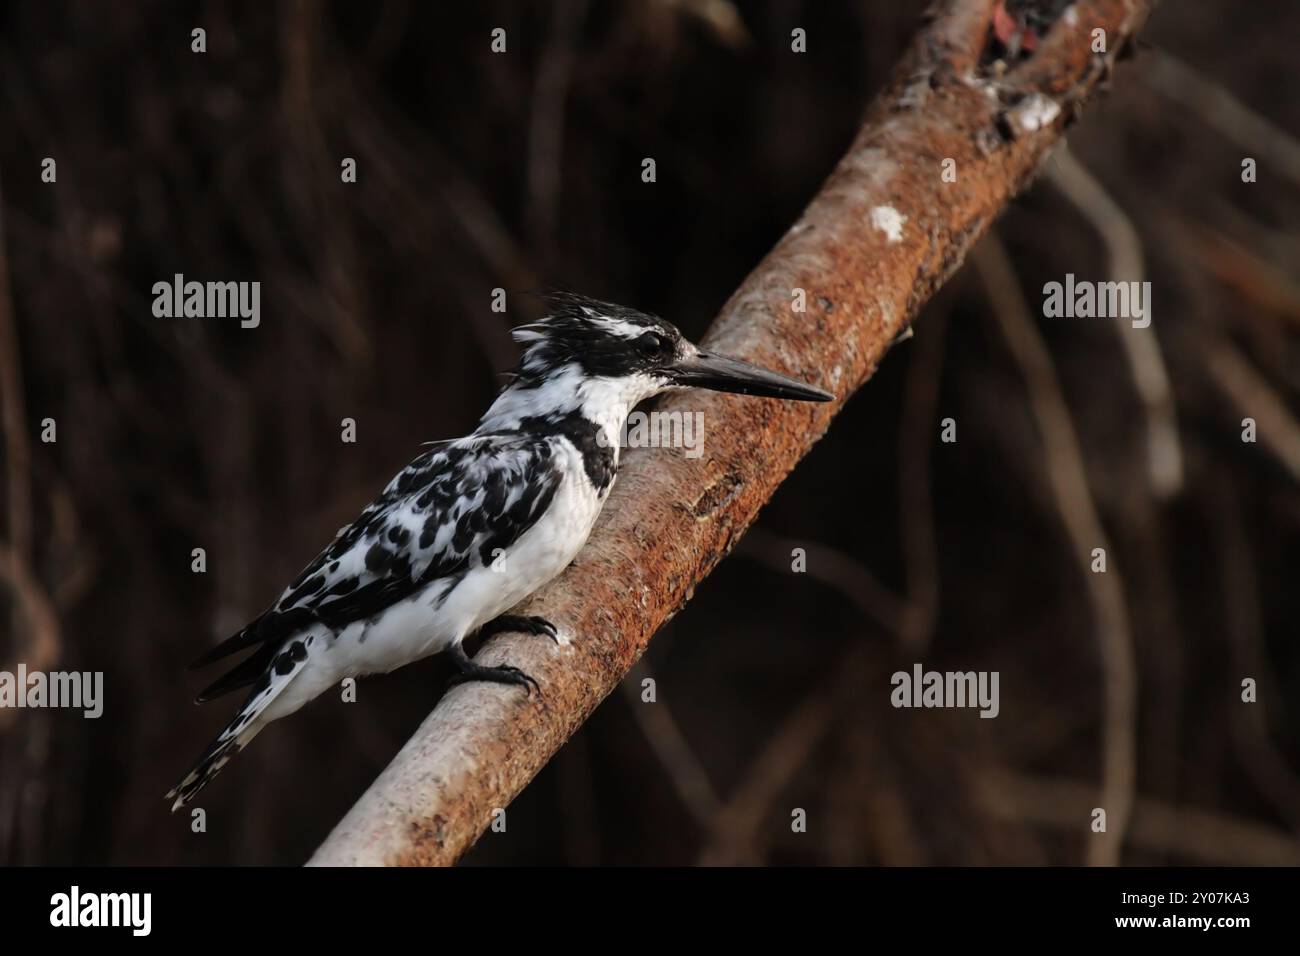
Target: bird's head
{"points": [[639, 354]]}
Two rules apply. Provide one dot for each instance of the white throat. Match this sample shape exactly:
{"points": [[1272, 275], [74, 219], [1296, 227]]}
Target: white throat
{"points": [[605, 402]]}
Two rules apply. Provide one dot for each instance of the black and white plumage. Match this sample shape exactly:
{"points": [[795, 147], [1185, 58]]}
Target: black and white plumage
{"points": [[473, 526]]}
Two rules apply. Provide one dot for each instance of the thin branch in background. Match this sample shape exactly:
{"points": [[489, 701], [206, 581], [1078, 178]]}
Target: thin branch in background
{"points": [[832, 567], [734, 835], [719, 17], [1067, 476], [1197, 836], [36, 618], [34, 622], [849, 817], [546, 124], [1253, 397], [1141, 347], [386, 133], [1269, 287], [1250, 722], [341, 300], [71, 554], [24, 789], [736, 832], [665, 738], [1215, 106], [895, 833], [13, 416]]}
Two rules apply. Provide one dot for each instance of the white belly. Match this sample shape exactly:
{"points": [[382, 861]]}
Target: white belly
{"points": [[430, 622], [540, 553]]}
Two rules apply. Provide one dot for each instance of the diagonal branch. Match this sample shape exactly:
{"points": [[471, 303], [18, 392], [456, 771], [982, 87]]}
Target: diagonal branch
{"points": [[885, 231], [1068, 480]]}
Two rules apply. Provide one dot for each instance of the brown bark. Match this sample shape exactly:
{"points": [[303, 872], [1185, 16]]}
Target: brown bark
{"points": [[671, 519]]}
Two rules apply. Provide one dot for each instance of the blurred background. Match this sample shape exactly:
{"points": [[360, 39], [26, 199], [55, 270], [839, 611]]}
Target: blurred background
{"points": [[520, 170]]}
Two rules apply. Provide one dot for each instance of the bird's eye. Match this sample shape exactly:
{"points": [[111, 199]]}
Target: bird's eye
{"points": [[653, 343]]}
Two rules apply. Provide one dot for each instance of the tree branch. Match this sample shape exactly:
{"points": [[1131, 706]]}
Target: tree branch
{"points": [[671, 519]]}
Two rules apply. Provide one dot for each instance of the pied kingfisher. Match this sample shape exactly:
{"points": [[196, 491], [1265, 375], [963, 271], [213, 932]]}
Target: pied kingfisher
{"points": [[418, 571]]}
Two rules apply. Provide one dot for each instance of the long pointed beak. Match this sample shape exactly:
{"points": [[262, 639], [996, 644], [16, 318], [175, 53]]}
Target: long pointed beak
{"points": [[722, 374]]}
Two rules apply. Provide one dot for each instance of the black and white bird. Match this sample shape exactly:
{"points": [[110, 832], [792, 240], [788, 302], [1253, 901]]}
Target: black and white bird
{"points": [[473, 526]]}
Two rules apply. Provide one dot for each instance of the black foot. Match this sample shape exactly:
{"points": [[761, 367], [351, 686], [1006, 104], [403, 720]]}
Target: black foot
{"points": [[469, 671], [522, 624]]}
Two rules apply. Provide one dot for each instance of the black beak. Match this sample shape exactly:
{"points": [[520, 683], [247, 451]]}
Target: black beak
{"points": [[722, 374]]}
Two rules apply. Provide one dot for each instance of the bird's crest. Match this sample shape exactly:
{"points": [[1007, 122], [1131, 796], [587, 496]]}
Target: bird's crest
{"points": [[601, 337]]}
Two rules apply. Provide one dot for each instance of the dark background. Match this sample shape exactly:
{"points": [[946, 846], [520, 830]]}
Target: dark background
{"points": [[478, 171]]}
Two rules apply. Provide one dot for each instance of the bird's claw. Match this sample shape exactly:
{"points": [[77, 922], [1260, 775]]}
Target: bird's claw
{"points": [[505, 674], [542, 627], [524, 624]]}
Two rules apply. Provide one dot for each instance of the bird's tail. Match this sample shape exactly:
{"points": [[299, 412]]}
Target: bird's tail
{"points": [[243, 727]]}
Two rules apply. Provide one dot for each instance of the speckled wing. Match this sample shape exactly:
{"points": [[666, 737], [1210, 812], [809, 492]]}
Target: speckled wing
{"points": [[446, 512]]}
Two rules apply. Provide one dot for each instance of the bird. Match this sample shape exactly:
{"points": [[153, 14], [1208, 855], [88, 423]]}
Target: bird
{"points": [[472, 526]]}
